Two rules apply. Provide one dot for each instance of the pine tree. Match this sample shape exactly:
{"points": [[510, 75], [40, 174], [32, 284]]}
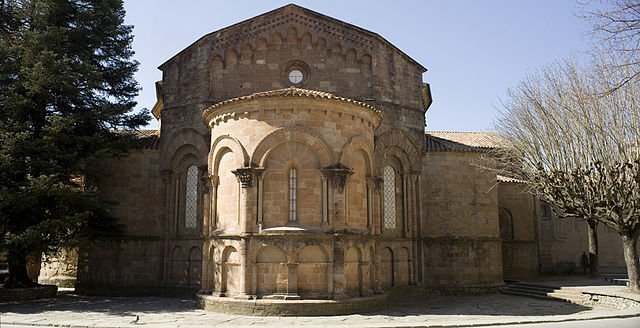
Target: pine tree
{"points": [[66, 87]]}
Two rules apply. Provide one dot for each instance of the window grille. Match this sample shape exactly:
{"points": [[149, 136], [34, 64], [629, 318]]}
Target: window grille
{"points": [[389, 192], [191, 198], [292, 194]]}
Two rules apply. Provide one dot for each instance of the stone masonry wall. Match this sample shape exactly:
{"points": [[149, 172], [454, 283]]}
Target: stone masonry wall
{"points": [[520, 248], [460, 241], [256, 55], [134, 259]]}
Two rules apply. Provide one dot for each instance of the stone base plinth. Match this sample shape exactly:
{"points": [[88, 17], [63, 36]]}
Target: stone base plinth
{"points": [[271, 307]]}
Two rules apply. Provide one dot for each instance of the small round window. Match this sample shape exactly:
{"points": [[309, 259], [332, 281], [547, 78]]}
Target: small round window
{"points": [[295, 73], [296, 76]]}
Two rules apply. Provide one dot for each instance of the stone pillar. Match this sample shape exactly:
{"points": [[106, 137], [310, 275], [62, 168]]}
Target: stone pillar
{"points": [[204, 203], [166, 184], [377, 288], [260, 196], [373, 189], [417, 250], [338, 271], [325, 200], [292, 281], [176, 208], [414, 232], [365, 269], [242, 280], [405, 206], [246, 177], [214, 182], [338, 175]]}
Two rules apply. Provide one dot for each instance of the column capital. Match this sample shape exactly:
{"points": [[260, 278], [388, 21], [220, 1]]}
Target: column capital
{"points": [[246, 174], [374, 183], [338, 174]]}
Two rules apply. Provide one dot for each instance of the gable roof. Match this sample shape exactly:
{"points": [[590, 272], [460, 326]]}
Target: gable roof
{"points": [[292, 8], [448, 141]]}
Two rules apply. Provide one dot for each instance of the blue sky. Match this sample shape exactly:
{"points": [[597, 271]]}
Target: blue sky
{"points": [[473, 50]]}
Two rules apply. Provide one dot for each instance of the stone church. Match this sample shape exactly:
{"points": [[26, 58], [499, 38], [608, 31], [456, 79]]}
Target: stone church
{"points": [[292, 163]]}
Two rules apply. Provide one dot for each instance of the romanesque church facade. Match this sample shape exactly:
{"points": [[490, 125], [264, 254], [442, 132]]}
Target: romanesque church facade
{"points": [[292, 162]]}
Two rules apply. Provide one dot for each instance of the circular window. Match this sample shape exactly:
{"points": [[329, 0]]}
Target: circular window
{"points": [[295, 73], [296, 76]]}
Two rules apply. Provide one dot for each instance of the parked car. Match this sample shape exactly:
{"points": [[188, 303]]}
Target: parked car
{"points": [[4, 272]]}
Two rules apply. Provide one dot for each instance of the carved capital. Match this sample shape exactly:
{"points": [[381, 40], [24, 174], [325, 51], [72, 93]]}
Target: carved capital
{"points": [[374, 183], [246, 174], [338, 175]]}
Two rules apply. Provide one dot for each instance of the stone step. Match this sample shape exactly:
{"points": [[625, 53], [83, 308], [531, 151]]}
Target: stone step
{"points": [[575, 297], [543, 292], [537, 288], [516, 292]]}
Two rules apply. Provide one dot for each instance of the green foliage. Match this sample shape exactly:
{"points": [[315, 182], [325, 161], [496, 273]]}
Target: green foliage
{"points": [[66, 84]]}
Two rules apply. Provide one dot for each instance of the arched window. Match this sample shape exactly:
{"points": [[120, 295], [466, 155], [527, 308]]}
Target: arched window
{"points": [[389, 194], [191, 198], [293, 181], [506, 224]]}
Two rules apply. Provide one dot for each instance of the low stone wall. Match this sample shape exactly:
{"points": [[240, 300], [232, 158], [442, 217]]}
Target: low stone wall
{"points": [[614, 301], [26, 294], [264, 307]]}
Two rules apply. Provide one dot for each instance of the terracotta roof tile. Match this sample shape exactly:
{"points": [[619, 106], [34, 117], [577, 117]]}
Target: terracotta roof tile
{"points": [[144, 139], [440, 141], [502, 178], [149, 139], [292, 92]]}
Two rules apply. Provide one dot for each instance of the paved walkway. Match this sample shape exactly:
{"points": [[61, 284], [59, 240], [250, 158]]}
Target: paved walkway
{"points": [[71, 310]]}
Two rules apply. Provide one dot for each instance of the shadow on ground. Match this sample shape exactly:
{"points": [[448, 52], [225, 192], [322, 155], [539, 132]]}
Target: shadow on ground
{"points": [[122, 306], [483, 305], [407, 305]]}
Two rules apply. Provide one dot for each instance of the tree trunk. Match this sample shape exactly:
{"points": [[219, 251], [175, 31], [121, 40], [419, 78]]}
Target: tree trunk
{"points": [[594, 266], [629, 243], [18, 277]]}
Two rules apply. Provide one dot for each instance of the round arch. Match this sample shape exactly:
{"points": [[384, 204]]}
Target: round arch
{"points": [[179, 139], [354, 144], [218, 148], [397, 143], [293, 134]]}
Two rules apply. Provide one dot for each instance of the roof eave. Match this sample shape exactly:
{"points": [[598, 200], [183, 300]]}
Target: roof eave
{"points": [[335, 20]]}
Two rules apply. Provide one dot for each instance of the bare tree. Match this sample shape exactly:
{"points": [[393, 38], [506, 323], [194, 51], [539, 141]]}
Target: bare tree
{"points": [[616, 26], [577, 146]]}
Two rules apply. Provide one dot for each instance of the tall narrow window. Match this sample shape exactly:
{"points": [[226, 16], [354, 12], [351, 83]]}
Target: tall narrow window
{"points": [[293, 181], [506, 224], [389, 194], [191, 198]]}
